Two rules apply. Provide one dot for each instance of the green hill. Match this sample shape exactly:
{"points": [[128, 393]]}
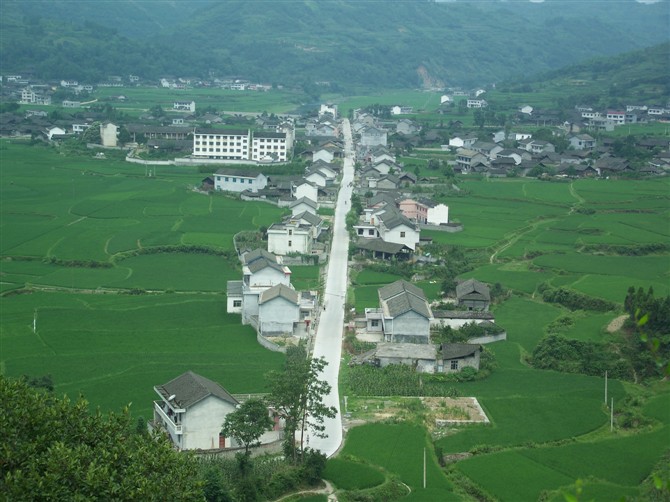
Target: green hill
{"points": [[346, 43]]}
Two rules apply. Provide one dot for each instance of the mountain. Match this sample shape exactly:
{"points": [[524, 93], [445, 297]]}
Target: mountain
{"points": [[394, 44]]}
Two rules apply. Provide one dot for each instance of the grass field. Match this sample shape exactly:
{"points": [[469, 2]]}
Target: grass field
{"points": [[59, 214]]}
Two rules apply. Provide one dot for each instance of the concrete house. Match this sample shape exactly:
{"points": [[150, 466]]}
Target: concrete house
{"points": [[473, 295], [463, 141], [109, 134], [261, 270], [324, 154], [453, 357], [406, 126], [279, 311], [392, 226], [303, 205], [467, 160], [422, 357], [582, 142], [289, 237], [372, 136], [405, 313], [386, 166], [239, 180], [305, 189], [318, 178], [184, 106], [191, 410], [386, 182]]}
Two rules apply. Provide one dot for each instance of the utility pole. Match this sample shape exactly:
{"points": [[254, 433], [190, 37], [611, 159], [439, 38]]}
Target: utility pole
{"points": [[424, 467], [605, 387], [612, 416]]}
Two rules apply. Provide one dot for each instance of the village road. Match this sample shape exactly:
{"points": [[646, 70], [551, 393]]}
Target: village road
{"points": [[328, 341]]}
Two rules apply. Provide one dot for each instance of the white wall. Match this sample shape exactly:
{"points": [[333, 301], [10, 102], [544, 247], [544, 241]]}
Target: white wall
{"points": [[202, 423], [438, 214], [277, 317]]}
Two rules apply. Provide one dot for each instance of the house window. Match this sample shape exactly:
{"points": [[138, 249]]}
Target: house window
{"points": [[374, 323], [402, 234], [454, 364], [360, 231], [290, 232], [371, 232], [250, 181], [290, 243], [237, 303]]}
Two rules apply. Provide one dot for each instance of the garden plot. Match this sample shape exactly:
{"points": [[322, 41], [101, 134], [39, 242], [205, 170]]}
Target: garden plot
{"points": [[436, 412]]}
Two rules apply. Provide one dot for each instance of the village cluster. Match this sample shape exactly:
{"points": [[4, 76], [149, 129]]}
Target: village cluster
{"points": [[191, 408]]}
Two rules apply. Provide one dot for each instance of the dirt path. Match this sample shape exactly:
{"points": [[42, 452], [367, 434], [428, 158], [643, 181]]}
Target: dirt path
{"points": [[616, 323], [327, 490]]}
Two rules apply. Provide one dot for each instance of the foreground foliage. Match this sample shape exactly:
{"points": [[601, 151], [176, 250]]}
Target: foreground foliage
{"points": [[69, 453]]}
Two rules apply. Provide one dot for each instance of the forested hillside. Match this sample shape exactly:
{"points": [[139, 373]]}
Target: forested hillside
{"points": [[370, 44]]}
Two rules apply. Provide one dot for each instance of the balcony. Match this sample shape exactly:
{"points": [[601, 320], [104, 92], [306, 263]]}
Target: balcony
{"points": [[168, 421]]}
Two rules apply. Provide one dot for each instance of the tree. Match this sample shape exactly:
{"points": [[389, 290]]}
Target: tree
{"points": [[248, 423], [92, 134], [63, 451], [297, 394]]}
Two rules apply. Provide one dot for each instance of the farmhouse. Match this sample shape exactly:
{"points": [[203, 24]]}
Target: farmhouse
{"points": [[239, 180], [473, 295], [279, 311], [290, 236], [403, 315], [303, 205], [456, 356], [191, 410], [424, 358], [109, 134]]}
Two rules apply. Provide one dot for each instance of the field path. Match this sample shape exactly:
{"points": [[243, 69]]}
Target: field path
{"points": [[580, 200], [616, 323], [326, 490], [515, 236]]}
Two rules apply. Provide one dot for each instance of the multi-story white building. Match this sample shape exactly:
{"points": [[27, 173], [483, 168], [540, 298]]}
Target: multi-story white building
{"points": [[241, 145], [290, 236], [477, 103], [184, 106], [616, 116], [269, 147], [221, 144]]}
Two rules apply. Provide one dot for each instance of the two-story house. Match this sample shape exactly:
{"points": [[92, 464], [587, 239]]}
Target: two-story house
{"points": [[404, 313], [191, 411]]}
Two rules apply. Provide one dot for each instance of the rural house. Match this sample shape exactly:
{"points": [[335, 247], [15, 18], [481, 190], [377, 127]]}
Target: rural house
{"points": [[473, 295], [279, 311], [239, 180], [403, 315], [191, 410]]}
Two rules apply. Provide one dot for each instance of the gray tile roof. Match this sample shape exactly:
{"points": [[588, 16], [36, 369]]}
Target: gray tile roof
{"points": [[472, 289], [458, 350], [398, 287], [394, 218], [406, 350], [406, 302], [191, 388], [277, 291], [380, 246], [257, 253], [234, 288], [304, 200], [310, 218]]}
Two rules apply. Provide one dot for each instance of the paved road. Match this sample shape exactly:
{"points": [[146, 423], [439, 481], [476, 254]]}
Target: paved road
{"points": [[328, 341]]}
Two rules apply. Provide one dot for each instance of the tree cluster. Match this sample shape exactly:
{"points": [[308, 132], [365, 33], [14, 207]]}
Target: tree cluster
{"points": [[55, 449]]}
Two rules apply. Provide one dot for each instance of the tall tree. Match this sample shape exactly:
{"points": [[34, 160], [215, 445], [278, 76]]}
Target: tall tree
{"points": [[248, 423], [297, 393], [54, 449]]}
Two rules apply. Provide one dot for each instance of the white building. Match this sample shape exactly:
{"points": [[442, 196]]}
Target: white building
{"points": [[405, 313], [109, 134], [307, 190], [222, 144], [241, 145], [392, 226], [191, 410], [328, 108], [184, 106], [290, 236], [239, 180], [270, 147], [279, 311], [372, 136], [477, 103]]}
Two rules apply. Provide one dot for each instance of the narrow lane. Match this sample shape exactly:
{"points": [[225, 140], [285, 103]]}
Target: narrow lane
{"points": [[328, 342]]}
